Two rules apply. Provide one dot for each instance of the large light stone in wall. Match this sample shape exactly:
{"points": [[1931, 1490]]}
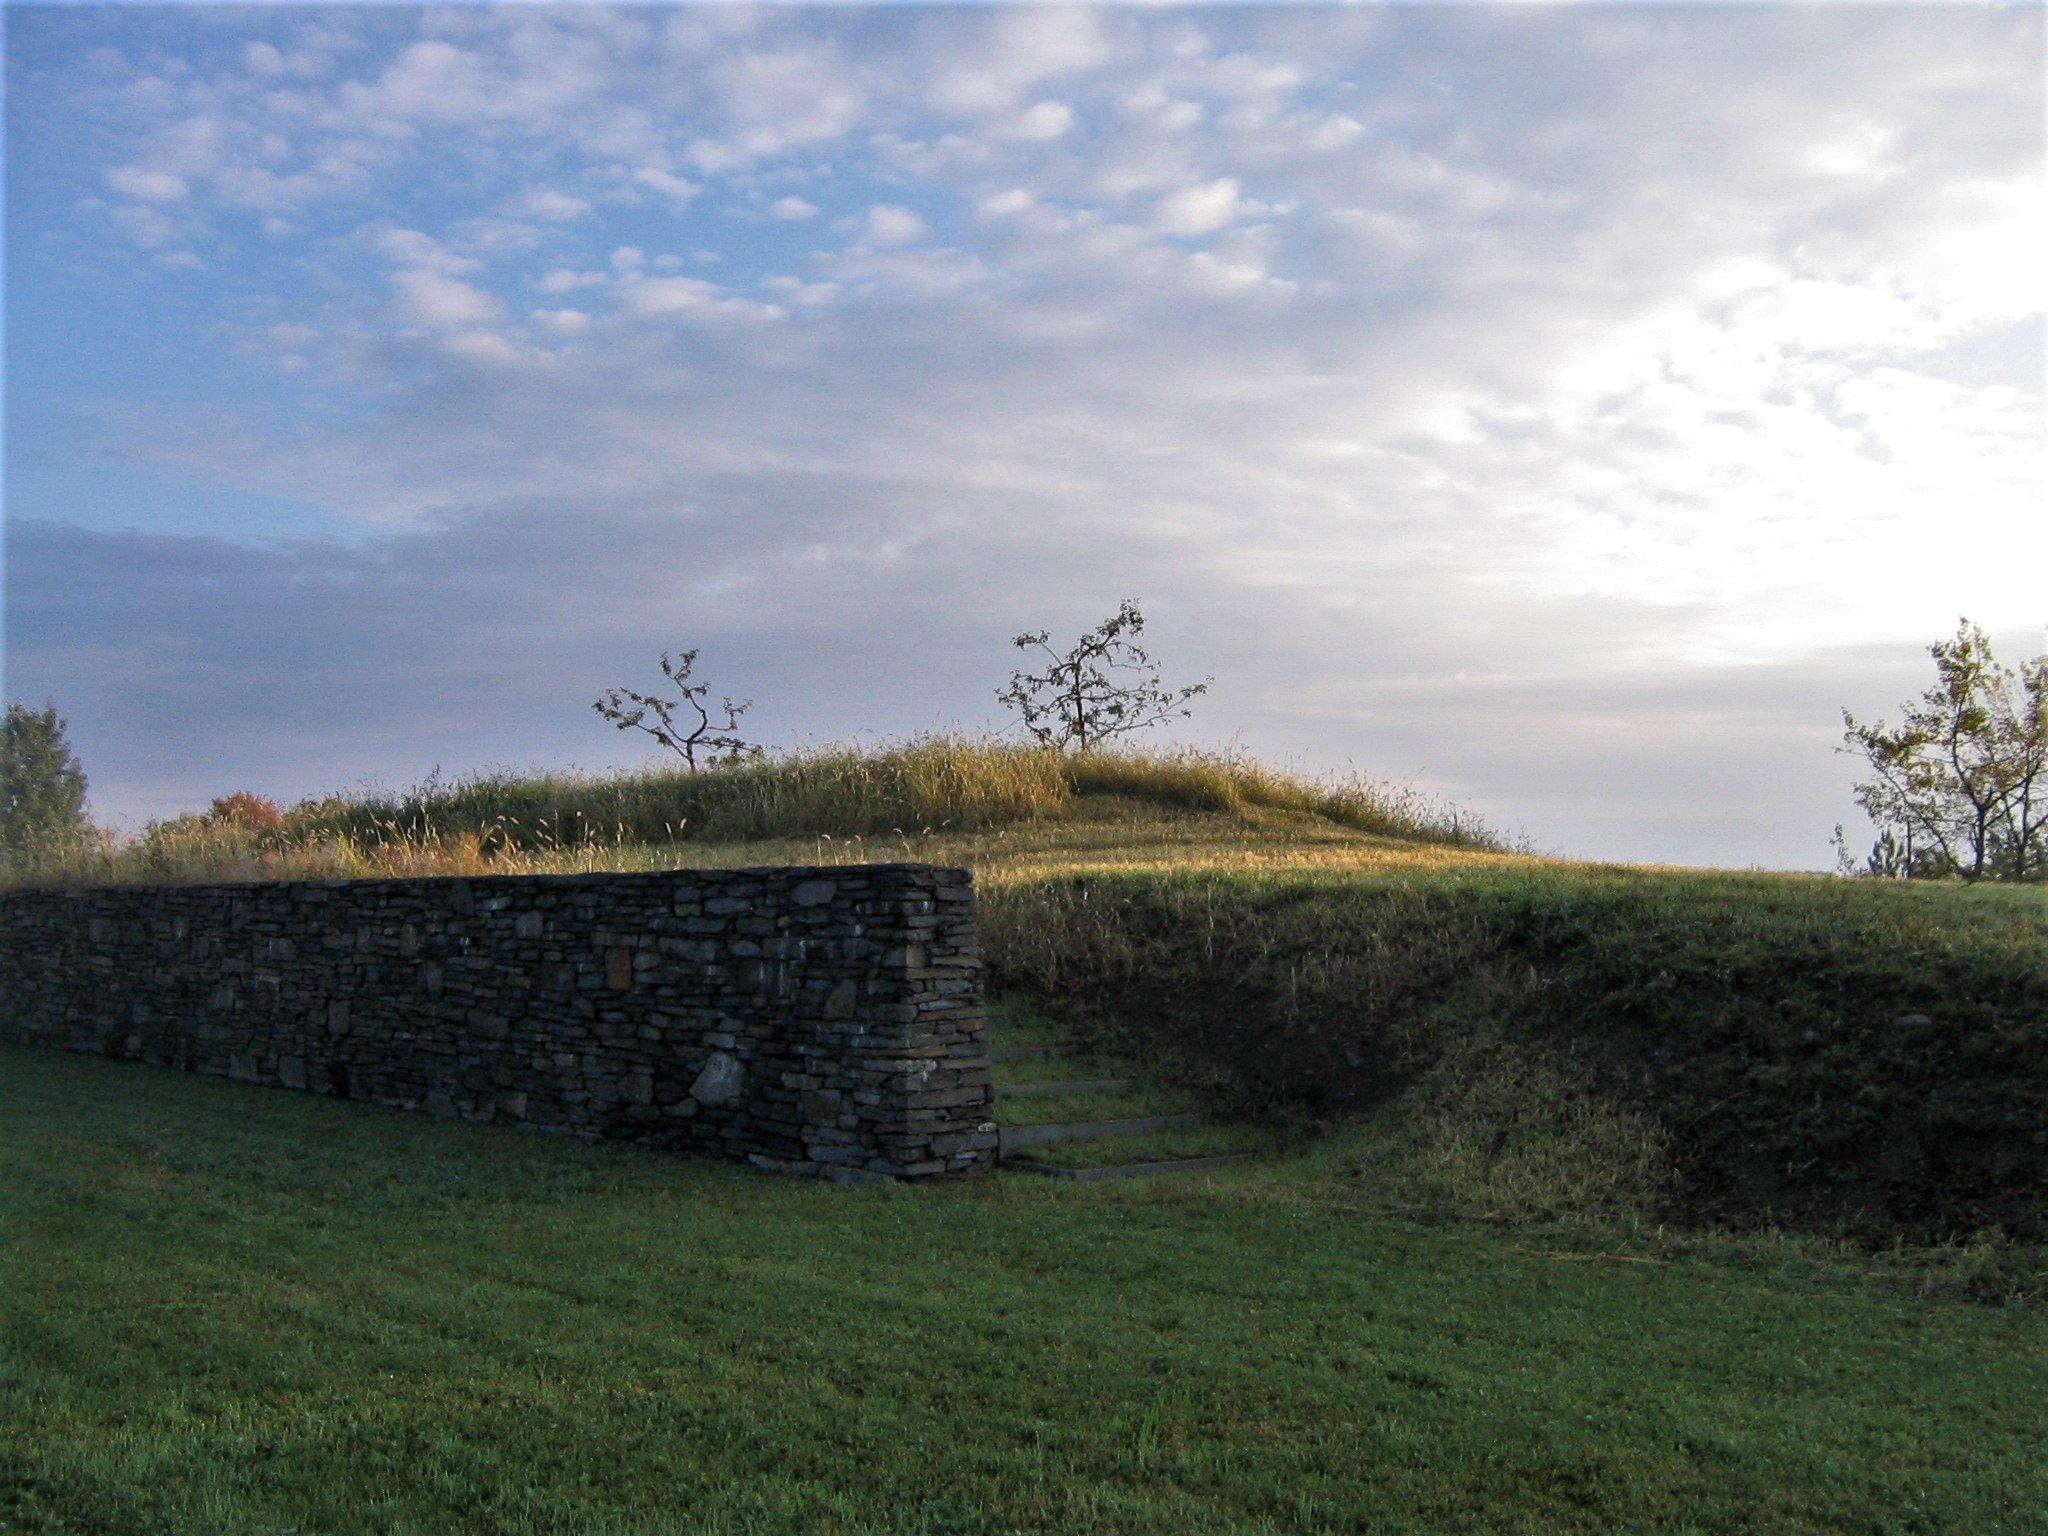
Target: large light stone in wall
{"points": [[720, 1081]]}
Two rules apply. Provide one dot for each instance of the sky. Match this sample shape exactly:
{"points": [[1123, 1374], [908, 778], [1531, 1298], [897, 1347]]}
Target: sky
{"points": [[1564, 411]]}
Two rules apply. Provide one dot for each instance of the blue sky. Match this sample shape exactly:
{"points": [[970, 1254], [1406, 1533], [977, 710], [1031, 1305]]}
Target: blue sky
{"points": [[1568, 410]]}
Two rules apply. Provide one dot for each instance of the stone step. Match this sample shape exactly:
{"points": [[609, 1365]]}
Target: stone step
{"points": [[1041, 1090], [1014, 1136], [1128, 1170]]}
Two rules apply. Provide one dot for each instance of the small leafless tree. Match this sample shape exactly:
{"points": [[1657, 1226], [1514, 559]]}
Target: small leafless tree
{"points": [[630, 711], [1105, 686]]}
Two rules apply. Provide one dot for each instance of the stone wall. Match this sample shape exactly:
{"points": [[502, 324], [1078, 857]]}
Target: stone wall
{"points": [[810, 1020]]}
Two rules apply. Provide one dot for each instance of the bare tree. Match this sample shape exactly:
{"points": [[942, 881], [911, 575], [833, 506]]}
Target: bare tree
{"points": [[1960, 786], [1105, 686], [629, 711]]}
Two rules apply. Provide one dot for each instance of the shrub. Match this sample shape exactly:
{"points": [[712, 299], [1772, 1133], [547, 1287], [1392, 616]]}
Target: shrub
{"points": [[243, 809]]}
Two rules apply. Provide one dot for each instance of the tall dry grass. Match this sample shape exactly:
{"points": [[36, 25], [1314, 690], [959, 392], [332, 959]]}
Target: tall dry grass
{"points": [[928, 785], [931, 788]]}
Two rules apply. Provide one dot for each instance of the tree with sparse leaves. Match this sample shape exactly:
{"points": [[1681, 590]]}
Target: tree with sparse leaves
{"points": [[42, 788], [1104, 686], [1960, 785], [684, 725]]}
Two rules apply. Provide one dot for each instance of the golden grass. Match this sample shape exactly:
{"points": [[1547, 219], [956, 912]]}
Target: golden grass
{"points": [[1010, 812]]}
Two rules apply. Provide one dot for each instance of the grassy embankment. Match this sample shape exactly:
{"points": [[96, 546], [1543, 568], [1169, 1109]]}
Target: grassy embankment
{"points": [[1508, 1299], [1541, 1038]]}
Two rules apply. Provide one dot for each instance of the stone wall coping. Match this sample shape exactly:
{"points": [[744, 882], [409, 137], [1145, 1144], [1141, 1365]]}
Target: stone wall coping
{"points": [[953, 875]]}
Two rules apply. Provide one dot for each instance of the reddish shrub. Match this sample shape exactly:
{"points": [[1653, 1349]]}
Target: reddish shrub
{"points": [[242, 809]]}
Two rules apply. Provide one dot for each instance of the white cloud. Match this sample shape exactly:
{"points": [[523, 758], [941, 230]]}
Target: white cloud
{"points": [[1252, 78], [1981, 267], [671, 295], [147, 227], [792, 208], [1225, 275], [1200, 210], [777, 99], [1331, 131], [1001, 205], [662, 297], [482, 348], [1017, 49], [888, 224], [914, 272], [193, 146], [540, 73], [431, 298], [150, 186], [1858, 149], [432, 78], [676, 189], [549, 204], [796, 291], [428, 289], [1040, 121], [563, 280], [415, 248]]}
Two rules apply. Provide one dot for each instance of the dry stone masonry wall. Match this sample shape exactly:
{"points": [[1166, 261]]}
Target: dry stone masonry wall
{"points": [[821, 1020]]}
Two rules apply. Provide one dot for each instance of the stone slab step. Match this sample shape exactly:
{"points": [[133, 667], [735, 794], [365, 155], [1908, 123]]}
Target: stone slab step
{"points": [[1128, 1170], [1013, 1136], [1040, 1090], [1023, 1052]]}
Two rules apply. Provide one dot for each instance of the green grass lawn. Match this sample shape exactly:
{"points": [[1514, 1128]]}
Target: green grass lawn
{"points": [[227, 1309]]}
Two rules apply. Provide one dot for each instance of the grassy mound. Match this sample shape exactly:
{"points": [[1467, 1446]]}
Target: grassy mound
{"points": [[509, 822], [933, 784]]}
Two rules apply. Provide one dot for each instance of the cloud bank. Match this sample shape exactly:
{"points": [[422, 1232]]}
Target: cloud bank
{"points": [[1568, 409]]}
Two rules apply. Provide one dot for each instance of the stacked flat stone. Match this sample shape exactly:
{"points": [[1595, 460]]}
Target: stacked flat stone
{"points": [[812, 1020]]}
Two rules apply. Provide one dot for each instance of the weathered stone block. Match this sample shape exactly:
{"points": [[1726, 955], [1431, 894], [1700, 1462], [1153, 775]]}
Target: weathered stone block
{"points": [[720, 1081], [618, 969]]}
